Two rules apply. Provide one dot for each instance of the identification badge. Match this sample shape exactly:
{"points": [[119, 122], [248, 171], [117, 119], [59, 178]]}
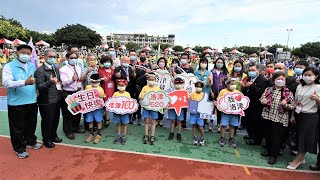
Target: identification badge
{"points": [[298, 108], [110, 85], [58, 86]]}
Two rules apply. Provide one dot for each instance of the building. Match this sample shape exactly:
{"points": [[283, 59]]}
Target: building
{"points": [[141, 39]]}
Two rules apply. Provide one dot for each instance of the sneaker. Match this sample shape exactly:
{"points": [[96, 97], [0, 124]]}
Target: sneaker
{"points": [[179, 137], [171, 136], [145, 139], [123, 140], [232, 143], [152, 140], [222, 142], [195, 141], [97, 139], [218, 128], [23, 155], [117, 139], [89, 138], [35, 146], [210, 129], [202, 141]]}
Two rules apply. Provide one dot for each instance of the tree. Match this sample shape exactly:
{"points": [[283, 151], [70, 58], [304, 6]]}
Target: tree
{"points": [[132, 45], [226, 49], [7, 30], [12, 21], [178, 48], [77, 34], [298, 52], [311, 49]]}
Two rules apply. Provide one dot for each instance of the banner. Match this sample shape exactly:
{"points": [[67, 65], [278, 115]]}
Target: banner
{"points": [[189, 79], [233, 103], [155, 101], [163, 80], [84, 101], [121, 105], [179, 100], [204, 107]]}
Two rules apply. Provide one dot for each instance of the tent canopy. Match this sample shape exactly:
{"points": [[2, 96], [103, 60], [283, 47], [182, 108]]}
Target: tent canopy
{"points": [[5, 41], [146, 48], [188, 50], [18, 42], [42, 43], [236, 52], [266, 53], [208, 50], [168, 49]]}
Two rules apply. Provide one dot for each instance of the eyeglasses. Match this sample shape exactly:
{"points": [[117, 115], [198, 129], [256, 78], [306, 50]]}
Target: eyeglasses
{"points": [[52, 56], [73, 58]]}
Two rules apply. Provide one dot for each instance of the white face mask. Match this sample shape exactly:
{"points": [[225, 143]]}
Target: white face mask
{"points": [[233, 87], [123, 88], [308, 79], [151, 83], [198, 89], [178, 86]]}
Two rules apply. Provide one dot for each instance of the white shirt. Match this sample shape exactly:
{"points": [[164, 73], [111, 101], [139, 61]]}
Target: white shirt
{"points": [[8, 79], [116, 63], [303, 94]]}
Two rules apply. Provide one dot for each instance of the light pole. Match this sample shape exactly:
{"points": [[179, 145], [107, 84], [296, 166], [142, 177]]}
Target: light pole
{"points": [[289, 30]]}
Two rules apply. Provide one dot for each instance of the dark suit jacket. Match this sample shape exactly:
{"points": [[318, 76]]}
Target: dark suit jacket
{"points": [[255, 91], [131, 85]]}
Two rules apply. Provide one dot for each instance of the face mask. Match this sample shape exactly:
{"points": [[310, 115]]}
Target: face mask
{"points": [[298, 71], [308, 79], [52, 61], [24, 58], [178, 86], [277, 70], [174, 65], [237, 69], [184, 61], [203, 65], [143, 59], [280, 83], [253, 60], [151, 83], [161, 64], [198, 89], [133, 58], [270, 70], [95, 84], [252, 74], [107, 64], [219, 65], [122, 88], [112, 53], [125, 65], [209, 59], [233, 87], [73, 62]]}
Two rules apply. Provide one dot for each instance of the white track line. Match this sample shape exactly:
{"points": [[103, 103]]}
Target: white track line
{"points": [[181, 158]]}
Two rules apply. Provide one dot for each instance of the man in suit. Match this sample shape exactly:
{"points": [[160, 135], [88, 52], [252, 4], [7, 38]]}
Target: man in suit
{"points": [[254, 89], [291, 83]]}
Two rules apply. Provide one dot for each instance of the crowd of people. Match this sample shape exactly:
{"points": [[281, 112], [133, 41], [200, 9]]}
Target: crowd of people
{"points": [[283, 109]]}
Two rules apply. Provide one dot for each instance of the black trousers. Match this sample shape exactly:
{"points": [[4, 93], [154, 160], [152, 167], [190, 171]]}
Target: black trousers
{"points": [[50, 115], [70, 122], [255, 124], [136, 96], [22, 124], [274, 136]]}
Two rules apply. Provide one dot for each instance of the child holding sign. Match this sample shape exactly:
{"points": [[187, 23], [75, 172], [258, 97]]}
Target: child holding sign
{"points": [[118, 118], [195, 118], [149, 115], [228, 119], [96, 115], [172, 115]]}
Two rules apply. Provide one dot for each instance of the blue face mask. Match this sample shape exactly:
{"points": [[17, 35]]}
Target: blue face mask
{"points": [[107, 65], [252, 74], [52, 61], [298, 71], [111, 53], [24, 58], [237, 69], [73, 62], [133, 58]]}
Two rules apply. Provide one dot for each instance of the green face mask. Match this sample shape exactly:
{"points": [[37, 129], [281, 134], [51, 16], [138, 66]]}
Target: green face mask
{"points": [[52, 61]]}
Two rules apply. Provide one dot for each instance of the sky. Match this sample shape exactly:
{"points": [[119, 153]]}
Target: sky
{"points": [[215, 23]]}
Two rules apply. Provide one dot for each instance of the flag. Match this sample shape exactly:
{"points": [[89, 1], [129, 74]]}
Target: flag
{"points": [[158, 53], [34, 56]]}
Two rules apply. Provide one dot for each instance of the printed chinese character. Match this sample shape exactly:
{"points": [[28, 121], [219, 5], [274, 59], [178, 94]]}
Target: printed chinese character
{"points": [[239, 105], [160, 96], [89, 105], [118, 105], [81, 97], [153, 97], [90, 95], [233, 107], [231, 99], [111, 105]]}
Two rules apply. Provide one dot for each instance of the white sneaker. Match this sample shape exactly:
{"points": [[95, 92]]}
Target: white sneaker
{"points": [[35, 147]]}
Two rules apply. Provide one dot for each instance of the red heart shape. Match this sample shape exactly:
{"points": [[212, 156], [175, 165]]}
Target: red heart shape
{"points": [[238, 98]]}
